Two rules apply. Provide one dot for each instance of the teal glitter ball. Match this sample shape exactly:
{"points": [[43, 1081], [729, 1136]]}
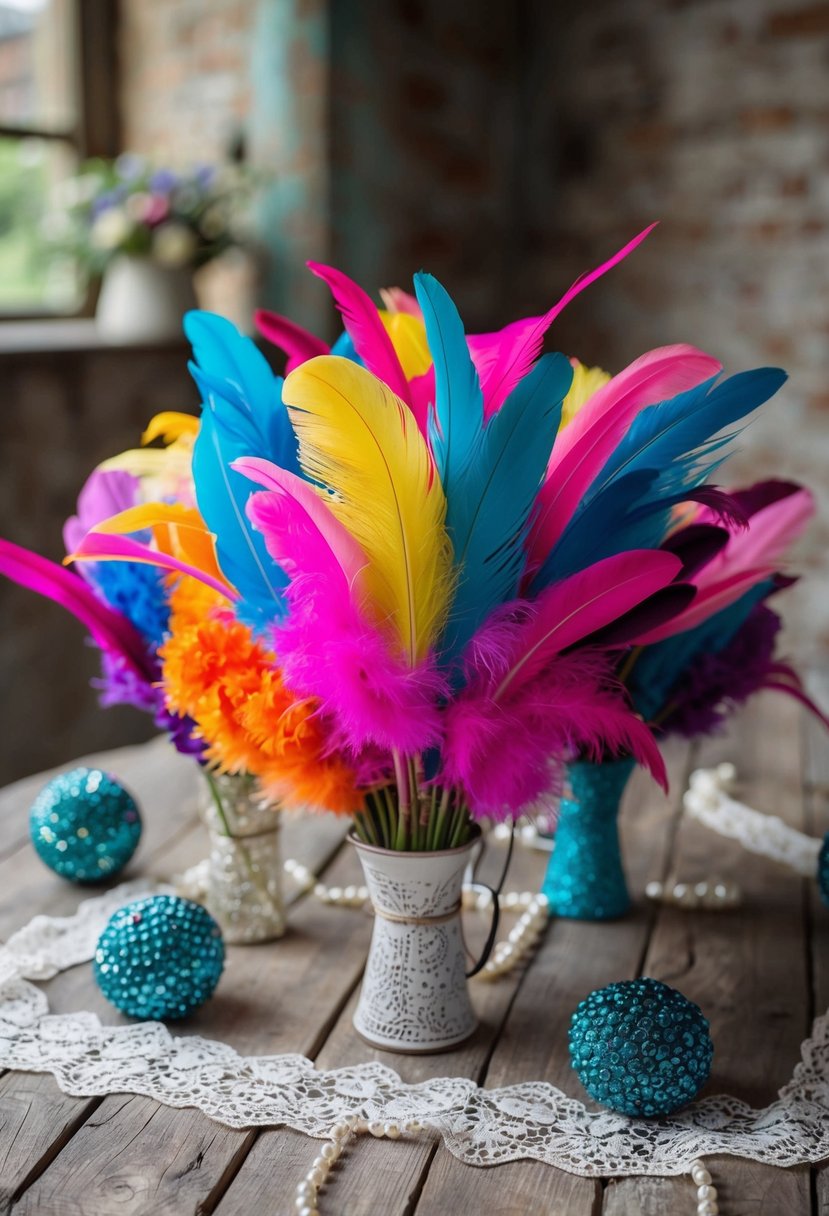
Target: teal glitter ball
{"points": [[823, 869], [159, 957], [85, 825], [640, 1047]]}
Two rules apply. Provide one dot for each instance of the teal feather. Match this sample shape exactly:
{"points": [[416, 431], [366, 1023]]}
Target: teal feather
{"points": [[490, 472], [669, 449], [243, 415], [659, 667]]}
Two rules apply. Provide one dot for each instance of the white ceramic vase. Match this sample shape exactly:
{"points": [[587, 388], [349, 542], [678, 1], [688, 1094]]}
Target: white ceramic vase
{"points": [[142, 301], [415, 996], [242, 885]]}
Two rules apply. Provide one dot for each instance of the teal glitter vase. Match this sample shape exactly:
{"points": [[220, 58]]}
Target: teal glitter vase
{"points": [[585, 879]]}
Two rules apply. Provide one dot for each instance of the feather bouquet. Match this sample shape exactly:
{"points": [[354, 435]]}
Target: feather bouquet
{"points": [[407, 527]]}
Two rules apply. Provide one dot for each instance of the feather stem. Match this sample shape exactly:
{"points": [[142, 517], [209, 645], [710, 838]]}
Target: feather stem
{"points": [[403, 803], [629, 664]]}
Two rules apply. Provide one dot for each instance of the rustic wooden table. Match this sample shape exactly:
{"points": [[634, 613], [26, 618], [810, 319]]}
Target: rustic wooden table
{"points": [[760, 972]]}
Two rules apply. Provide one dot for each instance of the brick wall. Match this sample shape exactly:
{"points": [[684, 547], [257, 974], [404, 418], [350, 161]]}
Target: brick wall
{"points": [[509, 147]]}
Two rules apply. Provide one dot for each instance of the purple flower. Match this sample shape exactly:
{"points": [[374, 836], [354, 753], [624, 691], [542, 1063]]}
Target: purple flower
{"points": [[119, 685], [163, 181], [717, 682]]}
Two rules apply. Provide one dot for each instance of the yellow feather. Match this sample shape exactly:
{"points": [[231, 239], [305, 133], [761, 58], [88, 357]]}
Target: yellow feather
{"points": [[586, 382], [178, 531], [170, 425], [359, 439], [408, 337]]}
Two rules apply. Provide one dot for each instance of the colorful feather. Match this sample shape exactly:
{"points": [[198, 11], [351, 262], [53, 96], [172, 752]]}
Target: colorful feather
{"points": [[584, 447], [507, 751], [575, 608], [242, 415], [490, 471], [365, 328], [505, 357], [327, 646], [297, 343], [106, 547], [111, 631], [361, 442], [750, 556]]}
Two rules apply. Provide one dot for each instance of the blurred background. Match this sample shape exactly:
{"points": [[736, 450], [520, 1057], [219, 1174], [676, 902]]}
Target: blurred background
{"points": [[505, 147]]}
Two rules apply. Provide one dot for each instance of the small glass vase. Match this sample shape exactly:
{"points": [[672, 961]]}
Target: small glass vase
{"points": [[415, 996], [585, 879], [243, 882]]}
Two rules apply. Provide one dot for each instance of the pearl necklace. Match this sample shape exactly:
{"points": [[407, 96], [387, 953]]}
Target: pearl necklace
{"points": [[352, 1125], [520, 941]]}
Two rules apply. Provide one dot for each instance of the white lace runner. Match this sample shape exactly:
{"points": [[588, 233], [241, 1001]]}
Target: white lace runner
{"points": [[707, 800], [481, 1127]]}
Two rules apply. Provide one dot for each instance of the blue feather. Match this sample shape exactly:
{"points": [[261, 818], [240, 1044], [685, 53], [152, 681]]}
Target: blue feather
{"points": [[457, 423], [243, 415], [669, 449], [490, 472], [660, 667], [675, 436]]}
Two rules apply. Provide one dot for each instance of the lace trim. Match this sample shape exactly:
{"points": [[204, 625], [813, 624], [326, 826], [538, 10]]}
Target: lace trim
{"points": [[480, 1126]]}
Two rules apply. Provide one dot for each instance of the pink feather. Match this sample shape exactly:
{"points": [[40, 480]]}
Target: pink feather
{"points": [[583, 448], [298, 343], [107, 546], [327, 647], [398, 300], [579, 605], [422, 389], [110, 630], [752, 554], [508, 752], [366, 330], [320, 527], [502, 359]]}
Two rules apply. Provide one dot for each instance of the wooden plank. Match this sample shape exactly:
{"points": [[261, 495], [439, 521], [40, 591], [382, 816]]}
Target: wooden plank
{"points": [[33, 1124], [576, 958], [816, 781], [277, 997], [392, 1178], [745, 967]]}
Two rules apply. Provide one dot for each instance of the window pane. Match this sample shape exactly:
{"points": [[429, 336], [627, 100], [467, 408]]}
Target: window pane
{"points": [[37, 64], [35, 273]]}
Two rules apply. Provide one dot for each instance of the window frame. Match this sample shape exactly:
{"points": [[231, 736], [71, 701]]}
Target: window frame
{"points": [[97, 129]]}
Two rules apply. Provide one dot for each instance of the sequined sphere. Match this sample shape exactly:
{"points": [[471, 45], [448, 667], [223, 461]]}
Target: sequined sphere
{"points": [[84, 825], [159, 957], [640, 1047], [823, 869]]}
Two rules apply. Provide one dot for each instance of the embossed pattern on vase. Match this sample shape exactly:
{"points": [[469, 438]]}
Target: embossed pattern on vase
{"points": [[244, 875], [415, 996]]}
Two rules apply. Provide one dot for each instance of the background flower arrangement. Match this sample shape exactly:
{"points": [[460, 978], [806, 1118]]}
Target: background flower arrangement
{"points": [[129, 206]]}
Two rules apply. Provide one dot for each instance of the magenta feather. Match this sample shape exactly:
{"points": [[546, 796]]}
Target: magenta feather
{"points": [[365, 328], [751, 554], [583, 448], [298, 344], [327, 647], [111, 631], [579, 605], [303, 507], [108, 546], [507, 752], [502, 359]]}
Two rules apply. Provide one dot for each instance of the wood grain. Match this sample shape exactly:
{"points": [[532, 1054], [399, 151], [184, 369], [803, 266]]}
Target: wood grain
{"points": [[759, 973]]}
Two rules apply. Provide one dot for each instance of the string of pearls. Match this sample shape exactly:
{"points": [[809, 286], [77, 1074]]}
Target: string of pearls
{"points": [[706, 1193], [712, 894], [350, 1126], [343, 1131], [520, 941]]}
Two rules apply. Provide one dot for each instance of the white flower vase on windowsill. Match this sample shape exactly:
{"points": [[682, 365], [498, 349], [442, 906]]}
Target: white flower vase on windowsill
{"points": [[142, 300]]}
